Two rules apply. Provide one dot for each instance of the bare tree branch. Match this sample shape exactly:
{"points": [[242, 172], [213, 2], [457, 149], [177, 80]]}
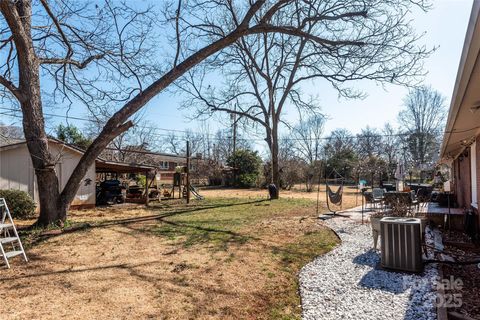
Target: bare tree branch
{"points": [[12, 88], [177, 32], [79, 64], [59, 28]]}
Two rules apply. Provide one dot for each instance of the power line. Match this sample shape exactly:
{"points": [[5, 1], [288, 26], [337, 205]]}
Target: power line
{"points": [[82, 119], [213, 135], [153, 128], [145, 152]]}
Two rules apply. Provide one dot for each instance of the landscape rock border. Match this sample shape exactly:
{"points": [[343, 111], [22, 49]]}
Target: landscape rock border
{"points": [[346, 283]]}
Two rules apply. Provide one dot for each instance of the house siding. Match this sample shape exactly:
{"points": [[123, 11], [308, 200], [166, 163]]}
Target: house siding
{"points": [[16, 172], [463, 182], [68, 161], [478, 178]]}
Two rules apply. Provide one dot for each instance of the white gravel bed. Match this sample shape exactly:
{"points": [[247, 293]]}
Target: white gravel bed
{"points": [[347, 284]]}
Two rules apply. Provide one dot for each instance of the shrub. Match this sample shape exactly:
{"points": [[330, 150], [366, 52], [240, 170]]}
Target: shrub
{"points": [[246, 164], [247, 180], [20, 203]]}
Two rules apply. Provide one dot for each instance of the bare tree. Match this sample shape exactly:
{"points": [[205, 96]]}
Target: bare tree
{"points": [[263, 73], [223, 144], [340, 153], [177, 143], [422, 120], [309, 145], [128, 146], [391, 146], [293, 169], [102, 56], [368, 143], [142, 137]]}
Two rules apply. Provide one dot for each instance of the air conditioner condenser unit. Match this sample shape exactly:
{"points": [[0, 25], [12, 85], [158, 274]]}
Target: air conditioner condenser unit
{"points": [[401, 244]]}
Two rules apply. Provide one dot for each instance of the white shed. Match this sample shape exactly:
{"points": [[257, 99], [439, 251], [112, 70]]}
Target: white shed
{"points": [[16, 171]]}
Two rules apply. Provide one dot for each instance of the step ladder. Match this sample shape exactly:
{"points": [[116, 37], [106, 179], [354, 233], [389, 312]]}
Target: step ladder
{"points": [[8, 235]]}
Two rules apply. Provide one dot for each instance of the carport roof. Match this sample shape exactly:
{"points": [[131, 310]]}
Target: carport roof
{"points": [[120, 167]]}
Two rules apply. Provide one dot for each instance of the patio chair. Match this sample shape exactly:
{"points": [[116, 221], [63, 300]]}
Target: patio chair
{"points": [[378, 197], [370, 199], [378, 193]]}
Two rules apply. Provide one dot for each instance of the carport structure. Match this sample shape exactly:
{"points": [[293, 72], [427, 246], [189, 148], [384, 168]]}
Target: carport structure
{"points": [[104, 168]]}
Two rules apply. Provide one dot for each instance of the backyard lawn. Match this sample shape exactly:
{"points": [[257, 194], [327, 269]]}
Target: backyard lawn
{"points": [[215, 258]]}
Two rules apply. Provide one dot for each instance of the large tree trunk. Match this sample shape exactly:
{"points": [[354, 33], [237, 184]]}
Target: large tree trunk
{"points": [[309, 183], [275, 166], [42, 160], [18, 16]]}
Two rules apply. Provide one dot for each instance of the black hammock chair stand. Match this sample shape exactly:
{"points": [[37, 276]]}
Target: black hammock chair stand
{"points": [[334, 197]]}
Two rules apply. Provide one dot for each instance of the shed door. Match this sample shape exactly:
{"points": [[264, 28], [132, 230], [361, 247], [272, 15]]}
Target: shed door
{"points": [[473, 175]]}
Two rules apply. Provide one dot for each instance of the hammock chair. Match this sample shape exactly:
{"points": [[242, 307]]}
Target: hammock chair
{"points": [[334, 197]]}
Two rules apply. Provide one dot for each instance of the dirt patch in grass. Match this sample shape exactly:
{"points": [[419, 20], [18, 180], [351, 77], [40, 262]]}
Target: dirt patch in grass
{"points": [[213, 259]]}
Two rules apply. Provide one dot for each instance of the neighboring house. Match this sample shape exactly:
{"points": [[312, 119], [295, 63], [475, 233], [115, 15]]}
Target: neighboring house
{"points": [[461, 143], [166, 164], [16, 170]]}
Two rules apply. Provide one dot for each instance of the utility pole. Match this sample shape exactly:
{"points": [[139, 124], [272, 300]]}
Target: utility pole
{"points": [[234, 117], [235, 129], [188, 171]]}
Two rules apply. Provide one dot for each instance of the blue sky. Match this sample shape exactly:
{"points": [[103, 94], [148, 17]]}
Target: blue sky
{"points": [[445, 26]]}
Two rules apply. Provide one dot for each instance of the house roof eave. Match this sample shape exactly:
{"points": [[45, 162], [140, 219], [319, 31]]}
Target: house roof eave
{"points": [[468, 60]]}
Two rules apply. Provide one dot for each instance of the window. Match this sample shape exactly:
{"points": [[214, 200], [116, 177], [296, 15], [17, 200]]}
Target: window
{"points": [[473, 175], [163, 165]]}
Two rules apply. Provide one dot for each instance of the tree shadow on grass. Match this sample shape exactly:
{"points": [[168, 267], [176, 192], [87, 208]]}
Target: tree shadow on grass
{"points": [[189, 234], [38, 237], [133, 269], [170, 213], [192, 234]]}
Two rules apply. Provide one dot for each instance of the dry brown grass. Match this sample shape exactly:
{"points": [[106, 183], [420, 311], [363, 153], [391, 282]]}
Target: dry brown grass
{"points": [[213, 259], [351, 197]]}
